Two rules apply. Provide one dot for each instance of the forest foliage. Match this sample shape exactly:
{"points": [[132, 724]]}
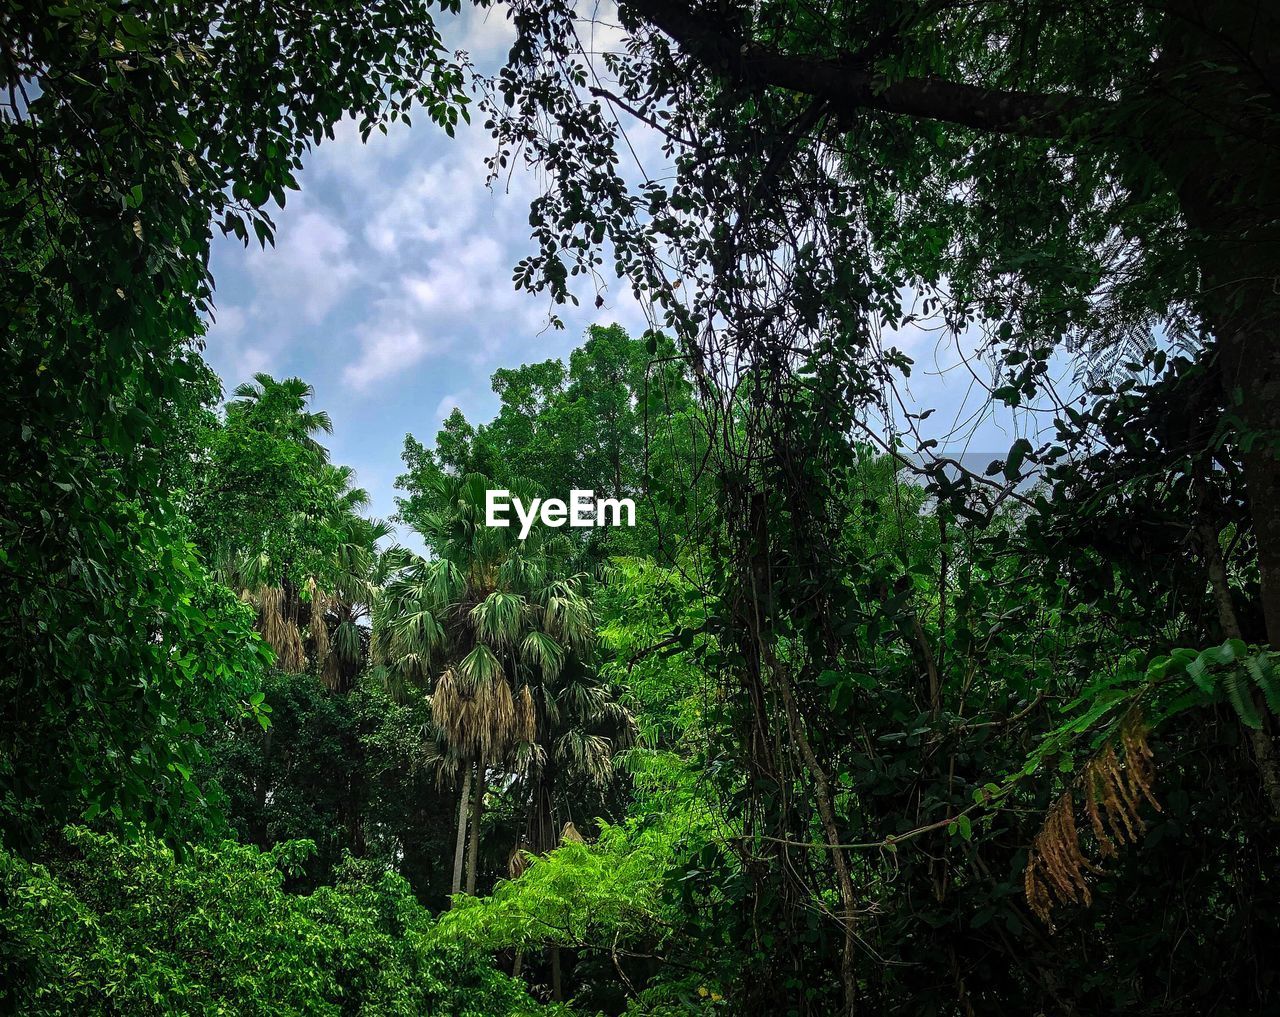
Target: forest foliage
{"points": [[841, 725]]}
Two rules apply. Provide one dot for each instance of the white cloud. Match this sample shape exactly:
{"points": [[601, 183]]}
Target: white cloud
{"points": [[237, 355], [237, 359], [386, 350], [252, 360], [487, 35], [353, 162], [392, 282], [463, 279], [475, 404], [622, 308], [600, 31], [307, 273], [435, 205], [447, 404], [229, 321]]}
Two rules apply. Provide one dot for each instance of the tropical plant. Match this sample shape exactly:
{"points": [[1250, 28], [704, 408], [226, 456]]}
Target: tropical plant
{"points": [[112, 927], [281, 408], [500, 638], [128, 133], [342, 614], [283, 527]]}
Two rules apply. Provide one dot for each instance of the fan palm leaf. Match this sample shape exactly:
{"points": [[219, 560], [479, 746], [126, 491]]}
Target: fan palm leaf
{"points": [[481, 667], [499, 618], [545, 653]]}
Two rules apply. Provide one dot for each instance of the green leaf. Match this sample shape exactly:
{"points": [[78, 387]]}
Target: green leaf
{"points": [[1013, 464]]}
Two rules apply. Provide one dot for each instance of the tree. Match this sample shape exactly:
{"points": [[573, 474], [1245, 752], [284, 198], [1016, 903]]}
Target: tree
{"points": [[282, 527], [280, 408], [622, 420], [127, 132], [361, 569], [1056, 184], [1087, 180], [482, 623], [117, 926]]}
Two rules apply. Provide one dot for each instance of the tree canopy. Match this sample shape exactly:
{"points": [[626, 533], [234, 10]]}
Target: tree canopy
{"points": [[844, 724]]}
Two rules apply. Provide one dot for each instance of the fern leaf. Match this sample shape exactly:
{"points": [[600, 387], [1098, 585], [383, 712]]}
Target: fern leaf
{"points": [[1241, 699], [1260, 671]]}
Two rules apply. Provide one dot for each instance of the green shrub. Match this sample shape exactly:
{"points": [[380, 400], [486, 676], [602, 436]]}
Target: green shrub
{"points": [[109, 926]]}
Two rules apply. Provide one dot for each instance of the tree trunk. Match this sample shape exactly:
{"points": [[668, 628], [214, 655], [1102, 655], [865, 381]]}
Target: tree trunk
{"points": [[1240, 277], [461, 844], [477, 810], [826, 813], [557, 990], [1249, 359], [1264, 752], [1216, 62]]}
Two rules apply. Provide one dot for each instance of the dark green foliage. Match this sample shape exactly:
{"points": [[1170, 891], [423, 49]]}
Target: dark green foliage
{"points": [[263, 489], [1084, 187], [107, 928], [349, 771], [131, 130]]}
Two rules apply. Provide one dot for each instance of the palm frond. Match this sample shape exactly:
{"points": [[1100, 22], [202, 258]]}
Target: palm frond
{"points": [[499, 618], [480, 667], [541, 650], [585, 754]]}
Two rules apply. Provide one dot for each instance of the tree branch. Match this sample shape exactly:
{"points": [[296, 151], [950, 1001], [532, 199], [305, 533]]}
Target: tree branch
{"points": [[848, 84]]}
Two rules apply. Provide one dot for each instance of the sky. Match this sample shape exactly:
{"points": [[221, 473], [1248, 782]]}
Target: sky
{"points": [[389, 288]]}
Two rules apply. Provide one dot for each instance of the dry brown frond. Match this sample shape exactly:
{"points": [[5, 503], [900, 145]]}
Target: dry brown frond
{"points": [[1057, 867], [1139, 761], [450, 708], [1105, 844], [478, 722], [494, 720], [570, 834], [319, 629], [1036, 892], [331, 673], [527, 718], [279, 626]]}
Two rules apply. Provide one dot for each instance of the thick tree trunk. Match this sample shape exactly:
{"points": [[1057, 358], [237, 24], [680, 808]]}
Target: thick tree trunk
{"points": [[477, 810], [1218, 65], [1260, 742], [461, 844], [1217, 142], [1240, 279], [1249, 360]]}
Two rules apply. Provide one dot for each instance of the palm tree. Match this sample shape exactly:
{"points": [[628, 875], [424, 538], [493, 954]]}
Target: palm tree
{"points": [[327, 582], [581, 724], [341, 614], [491, 628], [284, 566], [280, 407]]}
